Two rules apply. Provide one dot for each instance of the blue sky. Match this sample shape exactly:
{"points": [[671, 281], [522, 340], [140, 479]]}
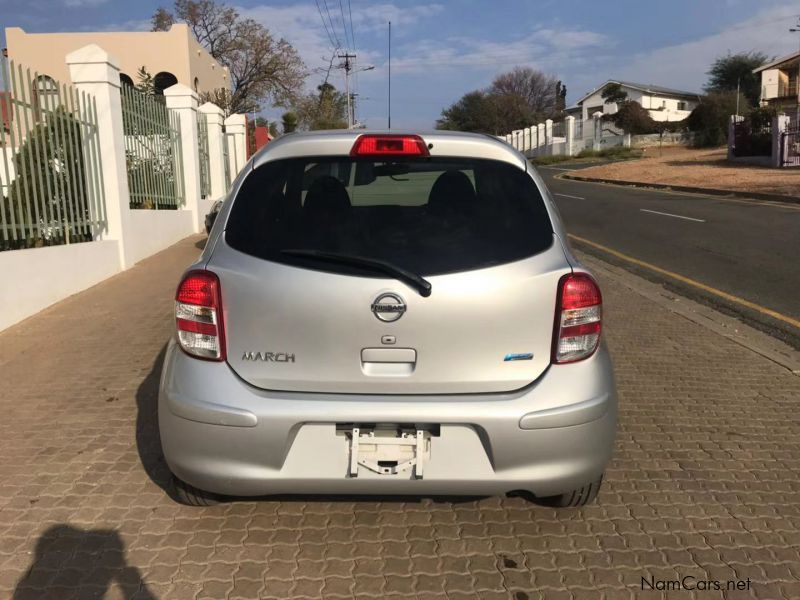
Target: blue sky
{"points": [[442, 49]]}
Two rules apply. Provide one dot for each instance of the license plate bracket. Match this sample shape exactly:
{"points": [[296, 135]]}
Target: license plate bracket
{"points": [[389, 453]]}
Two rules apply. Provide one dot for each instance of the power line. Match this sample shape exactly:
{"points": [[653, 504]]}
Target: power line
{"points": [[352, 33], [344, 24], [330, 19], [325, 25]]}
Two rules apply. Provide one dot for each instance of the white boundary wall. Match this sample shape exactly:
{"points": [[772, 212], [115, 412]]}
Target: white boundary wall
{"points": [[36, 278], [152, 231]]}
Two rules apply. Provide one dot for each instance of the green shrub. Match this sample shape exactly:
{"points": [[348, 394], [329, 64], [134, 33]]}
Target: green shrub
{"points": [[633, 119], [617, 152], [709, 120], [50, 180]]}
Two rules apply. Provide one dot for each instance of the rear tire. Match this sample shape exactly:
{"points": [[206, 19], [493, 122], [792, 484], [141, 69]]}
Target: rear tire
{"points": [[192, 496], [578, 497]]}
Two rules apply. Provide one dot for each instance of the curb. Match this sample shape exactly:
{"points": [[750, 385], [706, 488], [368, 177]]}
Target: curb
{"points": [[711, 318], [685, 188]]}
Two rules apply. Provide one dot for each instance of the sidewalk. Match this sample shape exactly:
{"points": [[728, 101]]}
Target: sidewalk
{"points": [[705, 482]]}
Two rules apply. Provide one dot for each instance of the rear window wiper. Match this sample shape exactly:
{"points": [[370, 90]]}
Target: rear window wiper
{"points": [[422, 285]]}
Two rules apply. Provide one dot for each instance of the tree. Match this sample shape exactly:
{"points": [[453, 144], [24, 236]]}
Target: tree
{"points": [[273, 129], [709, 120], [474, 111], [538, 91], [633, 119], [519, 98], [261, 68], [50, 172], [731, 69], [289, 122], [221, 97], [146, 84], [327, 109], [614, 94], [561, 99]]}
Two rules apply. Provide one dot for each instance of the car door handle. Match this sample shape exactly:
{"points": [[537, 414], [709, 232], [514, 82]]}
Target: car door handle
{"points": [[388, 362], [388, 355]]}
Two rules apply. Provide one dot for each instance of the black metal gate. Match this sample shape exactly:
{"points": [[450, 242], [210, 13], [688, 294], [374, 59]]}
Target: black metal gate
{"points": [[790, 147], [752, 139]]}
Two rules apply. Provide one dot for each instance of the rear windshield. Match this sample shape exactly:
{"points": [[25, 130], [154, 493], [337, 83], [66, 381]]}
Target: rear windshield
{"points": [[426, 215]]}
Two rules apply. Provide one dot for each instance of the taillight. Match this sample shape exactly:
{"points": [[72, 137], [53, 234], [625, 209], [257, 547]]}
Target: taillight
{"points": [[198, 316], [579, 313], [389, 145]]}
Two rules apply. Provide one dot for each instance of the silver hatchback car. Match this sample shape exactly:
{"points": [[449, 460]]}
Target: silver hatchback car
{"points": [[384, 313]]}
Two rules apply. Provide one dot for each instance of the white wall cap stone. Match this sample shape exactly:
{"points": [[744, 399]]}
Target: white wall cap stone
{"points": [[210, 108], [179, 90], [236, 119], [92, 54]]}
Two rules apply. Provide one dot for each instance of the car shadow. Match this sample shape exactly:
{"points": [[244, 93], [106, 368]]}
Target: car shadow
{"points": [[148, 436], [201, 244], [68, 557]]}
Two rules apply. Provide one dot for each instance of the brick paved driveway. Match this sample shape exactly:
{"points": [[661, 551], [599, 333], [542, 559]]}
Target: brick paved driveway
{"points": [[704, 483]]}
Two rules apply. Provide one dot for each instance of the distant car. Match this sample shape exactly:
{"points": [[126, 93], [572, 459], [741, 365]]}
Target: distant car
{"points": [[212, 215], [388, 313]]}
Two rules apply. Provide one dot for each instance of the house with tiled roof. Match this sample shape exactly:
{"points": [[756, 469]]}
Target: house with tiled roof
{"points": [[663, 103]]}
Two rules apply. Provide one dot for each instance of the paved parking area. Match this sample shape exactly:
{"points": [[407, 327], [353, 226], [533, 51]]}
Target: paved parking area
{"points": [[705, 482]]}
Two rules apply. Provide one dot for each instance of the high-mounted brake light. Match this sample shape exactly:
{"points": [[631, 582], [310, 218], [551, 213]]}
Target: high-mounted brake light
{"points": [[389, 145], [579, 314], [198, 316]]}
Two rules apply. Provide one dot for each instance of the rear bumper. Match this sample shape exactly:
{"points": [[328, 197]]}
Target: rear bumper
{"points": [[222, 435]]}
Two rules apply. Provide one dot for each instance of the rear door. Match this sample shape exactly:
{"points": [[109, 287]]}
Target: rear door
{"points": [[477, 230]]}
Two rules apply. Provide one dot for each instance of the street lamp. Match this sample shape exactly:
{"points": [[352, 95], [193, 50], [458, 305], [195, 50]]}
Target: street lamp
{"points": [[351, 106]]}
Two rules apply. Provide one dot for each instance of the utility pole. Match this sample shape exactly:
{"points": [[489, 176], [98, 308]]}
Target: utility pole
{"points": [[796, 29], [738, 80], [390, 74], [347, 66], [353, 109]]}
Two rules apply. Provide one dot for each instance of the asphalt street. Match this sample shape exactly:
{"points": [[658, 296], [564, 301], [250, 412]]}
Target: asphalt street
{"points": [[746, 253]]}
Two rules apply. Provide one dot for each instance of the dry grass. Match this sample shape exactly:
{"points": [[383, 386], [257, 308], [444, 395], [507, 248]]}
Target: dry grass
{"points": [[700, 168]]}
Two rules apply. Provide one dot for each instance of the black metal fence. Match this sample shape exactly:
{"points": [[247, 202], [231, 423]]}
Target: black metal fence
{"points": [[752, 137], [790, 147]]}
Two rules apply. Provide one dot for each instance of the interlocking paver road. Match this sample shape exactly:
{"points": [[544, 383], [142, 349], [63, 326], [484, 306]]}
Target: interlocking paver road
{"points": [[704, 482]]}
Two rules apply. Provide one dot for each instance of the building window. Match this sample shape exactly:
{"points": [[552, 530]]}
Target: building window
{"points": [[162, 81], [681, 105]]}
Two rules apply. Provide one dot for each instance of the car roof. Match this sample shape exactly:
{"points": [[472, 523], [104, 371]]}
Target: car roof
{"points": [[339, 142]]}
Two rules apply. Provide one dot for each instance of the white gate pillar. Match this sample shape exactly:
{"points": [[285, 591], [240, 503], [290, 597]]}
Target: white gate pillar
{"points": [[569, 131], [216, 157], [780, 123], [598, 130], [183, 100], [548, 136], [96, 72], [235, 128]]}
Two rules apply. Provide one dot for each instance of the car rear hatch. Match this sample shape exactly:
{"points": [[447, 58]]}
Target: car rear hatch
{"points": [[306, 309]]}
